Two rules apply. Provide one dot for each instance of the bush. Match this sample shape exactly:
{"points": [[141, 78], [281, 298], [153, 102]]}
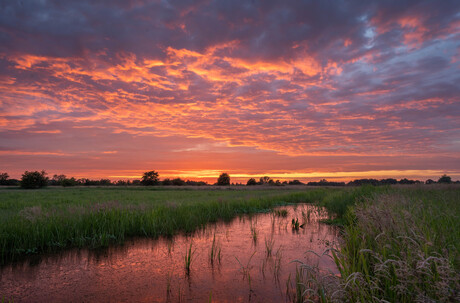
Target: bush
{"points": [[251, 181], [34, 179], [224, 179]]}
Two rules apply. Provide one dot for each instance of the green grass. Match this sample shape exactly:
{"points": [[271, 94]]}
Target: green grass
{"points": [[36, 221], [400, 244]]}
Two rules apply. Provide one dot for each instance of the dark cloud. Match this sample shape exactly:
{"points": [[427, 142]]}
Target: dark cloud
{"points": [[293, 77]]}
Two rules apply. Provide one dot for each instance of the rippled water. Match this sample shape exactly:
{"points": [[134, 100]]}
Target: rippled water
{"points": [[154, 270]]}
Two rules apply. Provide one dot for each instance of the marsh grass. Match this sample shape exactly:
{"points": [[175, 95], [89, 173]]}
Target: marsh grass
{"points": [[254, 233], [281, 212], [188, 258], [269, 246], [400, 244], [246, 269], [215, 251], [37, 221]]}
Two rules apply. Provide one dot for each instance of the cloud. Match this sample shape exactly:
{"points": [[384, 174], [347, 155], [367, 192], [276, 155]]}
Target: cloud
{"points": [[293, 79]]}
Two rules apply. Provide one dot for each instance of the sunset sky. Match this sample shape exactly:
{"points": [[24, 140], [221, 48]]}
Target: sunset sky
{"points": [[291, 89]]}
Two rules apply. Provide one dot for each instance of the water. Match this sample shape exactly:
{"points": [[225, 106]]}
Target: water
{"points": [[154, 270]]}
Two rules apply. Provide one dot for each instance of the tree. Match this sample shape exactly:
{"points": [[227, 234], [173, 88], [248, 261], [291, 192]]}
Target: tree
{"points": [[166, 181], [3, 178], [178, 182], [150, 178], [34, 179], [224, 179], [445, 179], [264, 180], [251, 181], [68, 182]]}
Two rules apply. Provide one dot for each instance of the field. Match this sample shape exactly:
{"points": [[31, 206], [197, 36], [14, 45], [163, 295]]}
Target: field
{"points": [[399, 244]]}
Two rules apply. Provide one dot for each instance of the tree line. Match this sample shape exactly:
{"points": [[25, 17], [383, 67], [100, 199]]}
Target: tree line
{"points": [[39, 179]]}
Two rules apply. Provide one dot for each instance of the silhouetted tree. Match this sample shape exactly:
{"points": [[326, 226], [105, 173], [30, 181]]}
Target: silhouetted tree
{"points": [[195, 183], [295, 182], [178, 182], [224, 179], [3, 178], [150, 178], [69, 182], [166, 182], [264, 180], [445, 179], [105, 182], [251, 181], [406, 181], [34, 179]]}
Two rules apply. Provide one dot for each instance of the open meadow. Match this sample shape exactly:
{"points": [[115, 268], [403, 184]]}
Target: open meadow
{"points": [[396, 243]]}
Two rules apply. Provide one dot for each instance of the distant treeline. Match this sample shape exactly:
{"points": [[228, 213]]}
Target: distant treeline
{"points": [[36, 179]]}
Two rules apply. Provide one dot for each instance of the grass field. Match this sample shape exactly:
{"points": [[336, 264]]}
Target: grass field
{"points": [[399, 244], [35, 221]]}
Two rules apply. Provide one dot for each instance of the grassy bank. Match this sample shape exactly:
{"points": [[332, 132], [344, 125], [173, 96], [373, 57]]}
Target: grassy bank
{"points": [[36, 221], [400, 244]]}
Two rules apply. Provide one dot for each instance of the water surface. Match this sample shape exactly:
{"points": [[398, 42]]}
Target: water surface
{"points": [[254, 265]]}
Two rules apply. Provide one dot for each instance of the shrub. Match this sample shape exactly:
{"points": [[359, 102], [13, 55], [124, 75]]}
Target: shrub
{"points": [[224, 179], [251, 181], [34, 179]]}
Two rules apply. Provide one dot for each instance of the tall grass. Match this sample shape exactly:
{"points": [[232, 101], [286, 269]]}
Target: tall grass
{"points": [[400, 244], [37, 221]]}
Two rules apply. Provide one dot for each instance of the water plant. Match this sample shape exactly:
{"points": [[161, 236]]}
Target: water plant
{"points": [[254, 233], [269, 246], [277, 263], [281, 212], [215, 251], [246, 269], [188, 258]]}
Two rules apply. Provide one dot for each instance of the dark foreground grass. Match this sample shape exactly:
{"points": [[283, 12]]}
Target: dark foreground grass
{"points": [[400, 244], [36, 221]]}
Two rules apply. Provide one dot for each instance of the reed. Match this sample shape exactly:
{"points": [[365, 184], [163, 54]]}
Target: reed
{"points": [[188, 258], [246, 269], [269, 246], [215, 251]]}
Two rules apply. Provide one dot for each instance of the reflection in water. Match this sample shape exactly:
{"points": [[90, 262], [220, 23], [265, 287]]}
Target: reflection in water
{"points": [[247, 259]]}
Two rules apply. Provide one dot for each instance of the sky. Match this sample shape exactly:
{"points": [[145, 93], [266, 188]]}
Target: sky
{"points": [[290, 89]]}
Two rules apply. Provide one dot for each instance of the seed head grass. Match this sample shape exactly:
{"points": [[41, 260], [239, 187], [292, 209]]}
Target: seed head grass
{"points": [[399, 244]]}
